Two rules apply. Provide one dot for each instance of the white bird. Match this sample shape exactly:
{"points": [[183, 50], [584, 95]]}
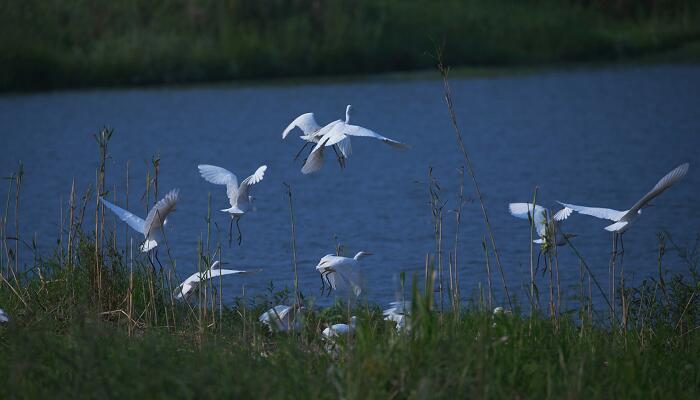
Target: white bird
{"points": [[152, 227], [542, 218], [189, 285], [624, 219], [337, 330], [238, 196], [399, 313], [338, 133], [282, 318], [341, 272], [3, 316], [312, 132]]}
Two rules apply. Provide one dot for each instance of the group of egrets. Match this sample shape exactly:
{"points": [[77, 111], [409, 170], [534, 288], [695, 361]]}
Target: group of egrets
{"points": [[547, 225], [336, 271]]}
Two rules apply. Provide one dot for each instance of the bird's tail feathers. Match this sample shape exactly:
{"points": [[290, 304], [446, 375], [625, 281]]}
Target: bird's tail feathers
{"points": [[148, 245]]}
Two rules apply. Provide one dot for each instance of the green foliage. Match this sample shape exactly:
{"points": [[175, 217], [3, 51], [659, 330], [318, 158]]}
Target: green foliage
{"points": [[50, 44]]}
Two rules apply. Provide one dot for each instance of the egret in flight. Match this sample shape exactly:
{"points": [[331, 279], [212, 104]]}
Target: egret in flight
{"points": [[542, 219], [622, 220], [338, 133], [312, 132], [282, 318], [189, 285], [238, 196], [341, 272], [152, 227]]}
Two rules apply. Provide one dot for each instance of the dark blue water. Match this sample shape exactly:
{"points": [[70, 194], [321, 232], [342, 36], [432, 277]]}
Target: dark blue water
{"points": [[599, 138]]}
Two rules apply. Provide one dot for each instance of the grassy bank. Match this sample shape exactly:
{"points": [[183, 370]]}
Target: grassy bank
{"points": [[46, 44], [124, 338]]}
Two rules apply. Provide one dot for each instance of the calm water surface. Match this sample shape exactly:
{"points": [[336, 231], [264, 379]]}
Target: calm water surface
{"points": [[599, 138]]}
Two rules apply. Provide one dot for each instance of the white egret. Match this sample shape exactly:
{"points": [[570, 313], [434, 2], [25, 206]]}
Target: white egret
{"points": [[3, 316], [624, 219], [341, 272], [238, 196], [542, 219], [152, 227], [399, 313], [338, 133], [282, 318], [338, 330], [189, 285], [312, 132]]}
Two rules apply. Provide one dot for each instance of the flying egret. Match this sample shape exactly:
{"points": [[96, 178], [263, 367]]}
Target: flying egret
{"points": [[341, 272], [338, 330], [238, 196], [399, 313], [152, 227], [3, 316], [282, 318], [189, 285], [624, 219], [338, 133], [312, 132], [542, 219]]}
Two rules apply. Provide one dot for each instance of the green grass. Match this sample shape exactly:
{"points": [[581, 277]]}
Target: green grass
{"points": [[62, 344], [54, 44]]}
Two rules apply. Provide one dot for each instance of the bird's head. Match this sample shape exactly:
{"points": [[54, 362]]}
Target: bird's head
{"points": [[348, 110]]}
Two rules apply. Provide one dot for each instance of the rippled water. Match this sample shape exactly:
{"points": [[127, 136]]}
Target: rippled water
{"points": [[601, 137]]}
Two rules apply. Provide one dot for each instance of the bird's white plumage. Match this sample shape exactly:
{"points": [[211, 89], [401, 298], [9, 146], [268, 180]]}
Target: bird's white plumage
{"points": [[338, 133], [337, 330], [526, 211], [544, 222], [398, 312], [237, 194], [189, 285], [152, 226], [306, 122], [280, 318], [342, 273], [624, 219], [3, 316]]}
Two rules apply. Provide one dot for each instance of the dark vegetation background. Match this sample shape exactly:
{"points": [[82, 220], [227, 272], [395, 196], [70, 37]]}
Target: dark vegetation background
{"points": [[48, 44]]}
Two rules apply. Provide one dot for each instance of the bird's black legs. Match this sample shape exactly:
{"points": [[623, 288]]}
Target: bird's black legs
{"points": [[341, 159], [230, 232], [300, 150], [325, 279], [157, 260], [240, 235]]}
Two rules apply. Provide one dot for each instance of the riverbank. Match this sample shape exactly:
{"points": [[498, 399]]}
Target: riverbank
{"points": [[76, 45]]}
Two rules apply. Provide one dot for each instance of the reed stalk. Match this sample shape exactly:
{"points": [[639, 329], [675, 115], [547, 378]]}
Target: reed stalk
{"points": [[444, 71], [297, 294]]}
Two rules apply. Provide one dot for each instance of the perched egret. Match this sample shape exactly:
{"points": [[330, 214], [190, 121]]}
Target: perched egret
{"points": [[399, 313], [188, 286], [338, 133], [542, 220], [624, 219], [282, 318], [152, 227], [341, 272], [3, 316], [312, 132], [337, 330], [238, 196]]}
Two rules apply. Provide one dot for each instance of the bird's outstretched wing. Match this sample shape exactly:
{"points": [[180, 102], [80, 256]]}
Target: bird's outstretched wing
{"points": [[257, 176], [217, 175], [355, 130], [537, 213], [306, 122], [598, 212], [664, 183], [562, 214], [132, 220], [314, 161], [159, 213]]}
